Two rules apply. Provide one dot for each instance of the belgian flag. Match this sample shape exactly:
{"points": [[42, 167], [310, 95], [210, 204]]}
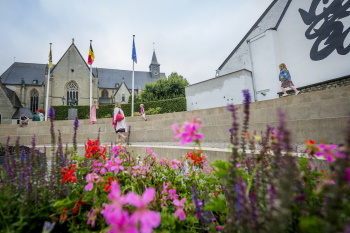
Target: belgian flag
{"points": [[91, 57]]}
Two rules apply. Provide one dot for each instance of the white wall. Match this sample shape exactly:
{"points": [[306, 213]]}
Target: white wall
{"points": [[218, 92], [264, 51], [295, 48]]}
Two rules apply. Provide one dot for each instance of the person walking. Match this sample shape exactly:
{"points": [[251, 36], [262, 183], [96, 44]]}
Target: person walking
{"points": [[93, 109], [286, 80], [142, 111], [119, 122]]}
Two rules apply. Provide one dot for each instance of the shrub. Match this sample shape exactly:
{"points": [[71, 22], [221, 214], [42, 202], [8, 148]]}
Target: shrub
{"points": [[165, 106]]}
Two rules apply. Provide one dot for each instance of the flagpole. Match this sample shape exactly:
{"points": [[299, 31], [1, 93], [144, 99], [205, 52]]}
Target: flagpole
{"points": [[90, 83], [48, 87], [132, 83]]}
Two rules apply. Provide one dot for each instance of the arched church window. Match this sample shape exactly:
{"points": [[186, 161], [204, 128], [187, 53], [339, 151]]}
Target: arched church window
{"points": [[72, 92], [123, 98], [34, 100], [104, 93]]}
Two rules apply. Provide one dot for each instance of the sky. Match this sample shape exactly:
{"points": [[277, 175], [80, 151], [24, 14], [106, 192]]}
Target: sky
{"points": [[190, 37]]}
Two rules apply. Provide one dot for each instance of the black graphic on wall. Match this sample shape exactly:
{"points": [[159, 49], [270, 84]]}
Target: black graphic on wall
{"points": [[326, 28]]}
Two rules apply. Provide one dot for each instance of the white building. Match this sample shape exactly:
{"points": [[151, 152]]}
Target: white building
{"points": [[310, 37]]}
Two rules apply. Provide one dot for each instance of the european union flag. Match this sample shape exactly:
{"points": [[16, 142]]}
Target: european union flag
{"points": [[133, 56]]}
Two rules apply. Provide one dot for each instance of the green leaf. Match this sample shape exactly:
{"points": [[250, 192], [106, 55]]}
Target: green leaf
{"points": [[217, 204], [222, 168]]}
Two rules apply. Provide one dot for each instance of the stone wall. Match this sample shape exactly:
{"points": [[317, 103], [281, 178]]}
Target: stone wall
{"points": [[320, 115]]}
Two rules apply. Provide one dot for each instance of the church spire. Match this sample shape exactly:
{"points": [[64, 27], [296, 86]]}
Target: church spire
{"points": [[154, 59], [154, 67]]}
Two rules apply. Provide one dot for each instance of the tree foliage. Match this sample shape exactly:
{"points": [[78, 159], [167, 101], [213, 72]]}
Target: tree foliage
{"points": [[165, 88]]}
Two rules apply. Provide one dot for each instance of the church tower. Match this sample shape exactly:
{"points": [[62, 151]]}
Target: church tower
{"points": [[154, 67]]}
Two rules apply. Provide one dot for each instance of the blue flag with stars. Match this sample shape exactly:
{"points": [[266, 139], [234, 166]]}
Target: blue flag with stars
{"points": [[133, 56]]}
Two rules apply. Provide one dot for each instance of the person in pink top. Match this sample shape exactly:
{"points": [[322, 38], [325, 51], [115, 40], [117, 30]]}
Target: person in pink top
{"points": [[142, 111], [94, 106]]}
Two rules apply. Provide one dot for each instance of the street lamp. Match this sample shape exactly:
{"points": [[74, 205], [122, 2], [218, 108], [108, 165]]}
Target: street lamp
{"points": [[63, 99]]}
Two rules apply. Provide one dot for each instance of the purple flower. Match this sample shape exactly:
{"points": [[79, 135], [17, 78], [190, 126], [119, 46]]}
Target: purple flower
{"points": [[48, 227], [52, 113]]}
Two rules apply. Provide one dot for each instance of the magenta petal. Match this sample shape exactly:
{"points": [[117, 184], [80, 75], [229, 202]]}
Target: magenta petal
{"points": [[199, 137], [148, 195], [133, 199], [330, 158], [175, 128], [89, 186], [150, 219]]}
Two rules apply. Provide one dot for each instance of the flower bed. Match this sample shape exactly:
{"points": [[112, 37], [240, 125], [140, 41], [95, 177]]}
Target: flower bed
{"points": [[117, 191]]}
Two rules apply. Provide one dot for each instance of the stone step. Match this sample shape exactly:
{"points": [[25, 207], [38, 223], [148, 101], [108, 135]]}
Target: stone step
{"points": [[320, 115]]}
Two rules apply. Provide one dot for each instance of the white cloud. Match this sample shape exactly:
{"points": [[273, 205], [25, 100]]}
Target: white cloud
{"points": [[192, 38]]}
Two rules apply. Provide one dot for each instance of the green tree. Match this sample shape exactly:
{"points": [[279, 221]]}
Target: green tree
{"points": [[165, 88], [137, 99]]}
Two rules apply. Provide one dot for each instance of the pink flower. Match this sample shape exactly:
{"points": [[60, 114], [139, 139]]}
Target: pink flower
{"points": [[114, 165], [172, 194], [92, 178], [120, 222], [151, 152], [91, 217], [98, 167], [165, 188], [118, 149], [163, 162], [180, 213], [175, 164], [347, 176], [328, 151], [149, 219], [189, 131]]}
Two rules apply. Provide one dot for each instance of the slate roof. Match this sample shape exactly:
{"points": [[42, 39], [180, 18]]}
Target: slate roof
{"points": [[108, 78], [26, 112], [26, 71]]}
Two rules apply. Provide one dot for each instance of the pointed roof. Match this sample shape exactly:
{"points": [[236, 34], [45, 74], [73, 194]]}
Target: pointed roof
{"points": [[154, 59], [74, 47], [255, 25]]}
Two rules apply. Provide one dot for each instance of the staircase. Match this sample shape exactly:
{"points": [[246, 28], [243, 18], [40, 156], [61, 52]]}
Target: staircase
{"points": [[320, 115]]}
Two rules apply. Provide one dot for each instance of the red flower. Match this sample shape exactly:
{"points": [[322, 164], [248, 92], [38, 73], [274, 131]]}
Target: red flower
{"points": [[78, 204], [64, 214], [196, 156], [107, 187], [68, 174], [309, 142], [311, 148], [94, 150]]}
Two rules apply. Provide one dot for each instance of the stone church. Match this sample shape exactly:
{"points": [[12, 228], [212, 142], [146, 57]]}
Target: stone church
{"points": [[23, 85]]}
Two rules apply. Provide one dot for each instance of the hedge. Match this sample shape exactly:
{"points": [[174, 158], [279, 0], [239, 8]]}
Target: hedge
{"points": [[105, 111]]}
